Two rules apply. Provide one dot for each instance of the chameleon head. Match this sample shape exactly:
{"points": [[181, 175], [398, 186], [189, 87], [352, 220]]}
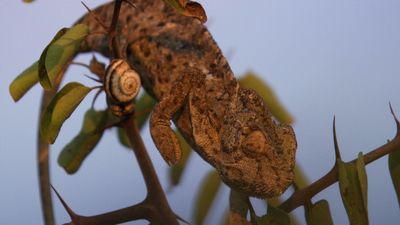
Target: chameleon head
{"points": [[258, 154]]}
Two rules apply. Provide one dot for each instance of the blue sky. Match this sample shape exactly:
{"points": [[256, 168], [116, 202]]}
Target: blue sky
{"points": [[323, 58]]}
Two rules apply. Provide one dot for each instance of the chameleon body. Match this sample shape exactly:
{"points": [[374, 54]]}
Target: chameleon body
{"points": [[182, 67]]}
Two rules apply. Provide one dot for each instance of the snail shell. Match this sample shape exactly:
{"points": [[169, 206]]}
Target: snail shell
{"points": [[122, 84]]}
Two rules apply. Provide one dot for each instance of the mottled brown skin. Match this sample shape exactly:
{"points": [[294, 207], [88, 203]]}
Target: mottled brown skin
{"points": [[181, 66]]}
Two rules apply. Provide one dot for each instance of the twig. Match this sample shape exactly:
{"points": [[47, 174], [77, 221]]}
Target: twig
{"points": [[113, 44], [300, 197]]}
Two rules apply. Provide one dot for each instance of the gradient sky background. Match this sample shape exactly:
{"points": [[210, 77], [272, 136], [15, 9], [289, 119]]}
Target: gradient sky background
{"points": [[323, 58]]}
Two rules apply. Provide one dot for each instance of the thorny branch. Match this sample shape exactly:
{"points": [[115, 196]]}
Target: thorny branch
{"points": [[112, 31], [301, 196], [154, 207]]}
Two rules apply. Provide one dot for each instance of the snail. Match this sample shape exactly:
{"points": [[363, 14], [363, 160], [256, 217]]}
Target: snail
{"points": [[122, 85]]}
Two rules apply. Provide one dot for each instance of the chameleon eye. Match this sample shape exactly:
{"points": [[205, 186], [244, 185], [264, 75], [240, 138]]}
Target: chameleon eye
{"points": [[255, 143]]}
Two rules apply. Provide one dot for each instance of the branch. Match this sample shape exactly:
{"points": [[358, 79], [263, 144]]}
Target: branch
{"points": [[155, 194], [113, 44], [135, 212], [300, 197], [154, 208]]}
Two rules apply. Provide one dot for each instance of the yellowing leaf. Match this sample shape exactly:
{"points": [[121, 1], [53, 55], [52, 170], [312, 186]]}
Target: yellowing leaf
{"points": [[274, 216], [189, 8], [394, 168], [176, 171], [59, 52], [76, 151], [353, 189], [318, 213], [60, 109], [42, 69], [206, 196], [251, 80], [24, 82]]}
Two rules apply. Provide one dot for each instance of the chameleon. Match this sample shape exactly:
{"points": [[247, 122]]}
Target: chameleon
{"points": [[182, 67]]}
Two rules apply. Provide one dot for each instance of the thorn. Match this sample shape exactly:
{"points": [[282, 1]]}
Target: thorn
{"points": [[80, 64], [130, 3], [181, 219], [93, 79], [71, 213], [337, 152], [395, 119], [95, 97], [97, 67], [95, 16]]}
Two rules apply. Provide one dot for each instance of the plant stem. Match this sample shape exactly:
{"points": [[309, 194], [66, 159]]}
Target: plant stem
{"points": [[300, 197], [155, 195], [43, 161], [112, 31]]}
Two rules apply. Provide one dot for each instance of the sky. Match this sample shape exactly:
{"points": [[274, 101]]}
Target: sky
{"points": [[323, 59]]}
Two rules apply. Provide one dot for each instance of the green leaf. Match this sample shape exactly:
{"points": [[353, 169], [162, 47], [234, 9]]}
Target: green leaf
{"points": [[24, 82], [60, 109], [176, 171], [353, 190], [274, 216], [143, 108], [59, 52], [76, 151], [28, 1], [275, 202], [394, 168], [318, 213], [123, 139], [42, 69], [251, 80], [206, 196]]}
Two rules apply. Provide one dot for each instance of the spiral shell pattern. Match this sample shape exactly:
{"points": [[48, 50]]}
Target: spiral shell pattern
{"points": [[122, 84]]}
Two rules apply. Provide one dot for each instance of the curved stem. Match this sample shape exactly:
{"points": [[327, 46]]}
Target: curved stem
{"points": [[43, 168], [43, 161]]}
